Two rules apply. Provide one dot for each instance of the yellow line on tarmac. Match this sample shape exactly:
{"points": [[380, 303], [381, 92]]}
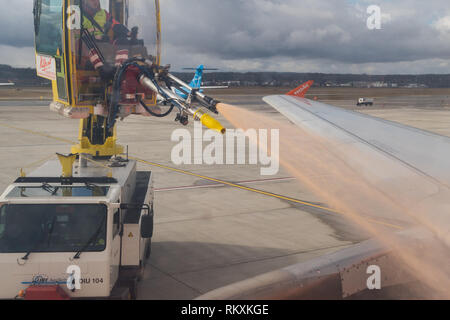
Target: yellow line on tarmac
{"points": [[234, 185], [273, 195], [37, 133]]}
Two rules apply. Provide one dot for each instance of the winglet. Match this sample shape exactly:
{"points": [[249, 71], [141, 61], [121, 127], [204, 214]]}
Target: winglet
{"points": [[301, 91]]}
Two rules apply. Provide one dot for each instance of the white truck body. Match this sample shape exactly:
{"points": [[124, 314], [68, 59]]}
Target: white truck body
{"points": [[102, 265]]}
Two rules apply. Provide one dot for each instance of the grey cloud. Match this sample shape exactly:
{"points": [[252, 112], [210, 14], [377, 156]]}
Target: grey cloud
{"points": [[328, 29], [16, 23], [284, 35]]}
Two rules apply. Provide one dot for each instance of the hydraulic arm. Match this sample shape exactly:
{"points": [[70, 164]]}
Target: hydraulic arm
{"points": [[103, 67], [185, 106]]}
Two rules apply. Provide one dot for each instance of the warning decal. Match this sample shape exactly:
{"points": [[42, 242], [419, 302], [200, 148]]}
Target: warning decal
{"points": [[46, 67]]}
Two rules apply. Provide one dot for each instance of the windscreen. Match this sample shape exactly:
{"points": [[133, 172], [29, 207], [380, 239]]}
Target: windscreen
{"points": [[47, 190], [103, 35], [52, 228], [48, 26]]}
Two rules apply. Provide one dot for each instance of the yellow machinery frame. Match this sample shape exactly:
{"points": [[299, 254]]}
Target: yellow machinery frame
{"points": [[109, 147]]}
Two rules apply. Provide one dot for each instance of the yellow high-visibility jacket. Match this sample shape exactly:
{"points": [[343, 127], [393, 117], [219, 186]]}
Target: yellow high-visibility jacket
{"points": [[101, 17]]}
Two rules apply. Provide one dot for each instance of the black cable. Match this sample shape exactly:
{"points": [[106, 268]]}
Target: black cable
{"points": [[114, 105], [155, 114], [117, 82], [116, 90]]}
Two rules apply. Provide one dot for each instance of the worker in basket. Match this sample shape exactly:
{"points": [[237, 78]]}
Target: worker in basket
{"points": [[102, 26]]}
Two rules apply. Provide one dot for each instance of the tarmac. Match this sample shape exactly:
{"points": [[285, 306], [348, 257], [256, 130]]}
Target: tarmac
{"points": [[207, 234]]}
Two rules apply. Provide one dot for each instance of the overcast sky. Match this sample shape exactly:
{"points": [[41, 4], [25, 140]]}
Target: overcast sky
{"points": [[329, 36]]}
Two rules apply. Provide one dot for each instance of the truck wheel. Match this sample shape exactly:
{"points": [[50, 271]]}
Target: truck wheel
{"points": [[133, 290], [148, 251], [121, 293], [140, 271]]}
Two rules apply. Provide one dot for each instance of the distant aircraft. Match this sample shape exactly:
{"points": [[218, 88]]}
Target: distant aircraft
{"points": [[7, 84], [196, 82]]}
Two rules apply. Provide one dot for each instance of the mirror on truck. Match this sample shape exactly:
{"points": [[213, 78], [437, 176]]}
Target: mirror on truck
{"points": [[147, 219], [147, 226]]}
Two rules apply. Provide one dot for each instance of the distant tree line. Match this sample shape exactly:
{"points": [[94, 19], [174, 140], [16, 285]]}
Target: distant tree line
{"points": [[321, 79], [21, 76], [28, 77]]}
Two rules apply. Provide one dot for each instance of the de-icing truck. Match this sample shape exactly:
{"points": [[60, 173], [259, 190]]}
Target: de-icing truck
{"points": [[80, 227]]}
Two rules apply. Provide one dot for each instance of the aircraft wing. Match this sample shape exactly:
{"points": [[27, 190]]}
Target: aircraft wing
{"points": [[421, 151], [409, 166]]}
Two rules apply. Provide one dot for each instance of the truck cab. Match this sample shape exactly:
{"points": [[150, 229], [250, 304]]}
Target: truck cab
{"points": [[87, 236]]}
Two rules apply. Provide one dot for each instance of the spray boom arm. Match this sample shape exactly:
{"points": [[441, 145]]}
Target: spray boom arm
{"points": [[150, 78]]}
